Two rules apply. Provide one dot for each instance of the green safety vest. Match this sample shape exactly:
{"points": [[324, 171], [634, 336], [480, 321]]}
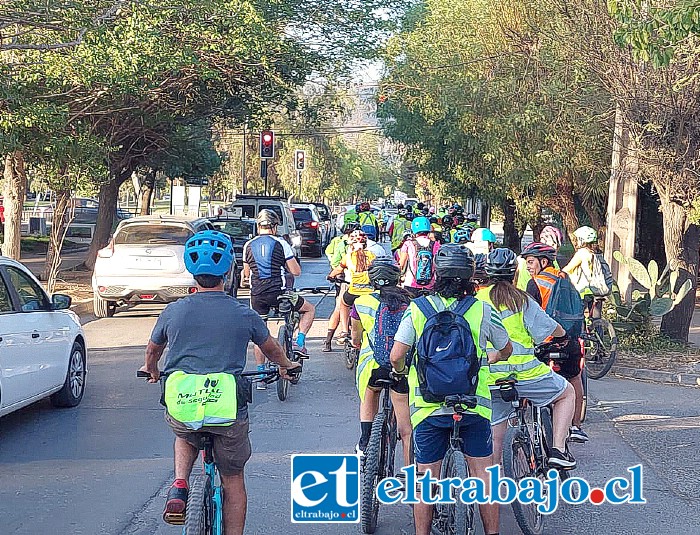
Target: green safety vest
{"points": [[349, 217], [199, 400], [522, 362], [367, 307], [421, 409], [336, 250], [400, 226]]}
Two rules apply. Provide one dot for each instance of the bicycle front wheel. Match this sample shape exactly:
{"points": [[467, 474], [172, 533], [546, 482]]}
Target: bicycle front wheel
{"points": [[518, 463], [286, 343], [584, 382], [350, 356], [372, 474], [601, 350], [200, 508], [454, 518]]}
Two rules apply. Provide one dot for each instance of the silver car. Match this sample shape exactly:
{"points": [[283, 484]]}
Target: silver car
{"points": [[144, 263]]}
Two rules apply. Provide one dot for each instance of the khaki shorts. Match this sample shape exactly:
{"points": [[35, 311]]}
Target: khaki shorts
{"points": [[231, 443]]}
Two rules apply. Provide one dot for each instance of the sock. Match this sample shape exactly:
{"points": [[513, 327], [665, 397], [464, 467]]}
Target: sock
{"points": [[261, 367], [366, 432], [329, 335], [180, 484], [301, 339]]}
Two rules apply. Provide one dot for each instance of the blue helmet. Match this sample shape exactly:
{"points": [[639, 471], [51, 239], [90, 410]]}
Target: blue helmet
{"points": [[484, 234], [461, 235], [209, 253], [420, 224]]}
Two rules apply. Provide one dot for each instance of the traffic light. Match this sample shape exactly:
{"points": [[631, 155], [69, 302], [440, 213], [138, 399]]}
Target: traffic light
{"points": [[267, 144], [300, 160]]}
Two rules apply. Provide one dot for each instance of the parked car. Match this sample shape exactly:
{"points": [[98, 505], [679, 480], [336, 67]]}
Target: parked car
{"points": [[248, 206], [327, 220], [313, 232], [42, 345], [144, 263], [240, 230]]}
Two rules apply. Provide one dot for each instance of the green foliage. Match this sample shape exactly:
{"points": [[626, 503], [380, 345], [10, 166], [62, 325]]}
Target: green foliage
{"points": [[648, 339]]}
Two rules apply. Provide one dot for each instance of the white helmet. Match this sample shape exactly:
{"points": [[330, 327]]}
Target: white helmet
{"points": [[586, 235]]}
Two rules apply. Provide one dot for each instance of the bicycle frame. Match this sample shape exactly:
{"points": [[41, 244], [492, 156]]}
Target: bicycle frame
{"points": [[217, 490], [537, 439]]}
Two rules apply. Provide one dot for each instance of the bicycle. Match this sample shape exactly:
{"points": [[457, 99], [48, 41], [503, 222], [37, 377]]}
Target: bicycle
{"points": [[599, 342], [552, 361], [379, 458], [204, 513], [455, 518], [350, 353]]}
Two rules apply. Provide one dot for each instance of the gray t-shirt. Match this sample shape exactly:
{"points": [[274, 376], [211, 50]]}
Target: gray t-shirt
{"points": [[537, 322], [208, 332]]}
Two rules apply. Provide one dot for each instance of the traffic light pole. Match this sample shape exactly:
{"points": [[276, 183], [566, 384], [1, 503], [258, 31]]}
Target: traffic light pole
{"points": [[299, 183], [263, 172]]}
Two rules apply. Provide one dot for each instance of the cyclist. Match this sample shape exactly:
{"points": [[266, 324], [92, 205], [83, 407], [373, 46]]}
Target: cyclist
{"points": [[551, 236], [472, 221], [198, 345], [265, 258], [420, 245], [527, 325], [432, 422], [540, 264], [368, 222], [587, 239], [397, 228], [356, 261], [373, 331]]}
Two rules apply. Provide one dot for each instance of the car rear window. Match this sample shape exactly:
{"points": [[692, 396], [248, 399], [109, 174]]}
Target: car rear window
{"points": [[236, 229], [323, 212], [275, 208], [302, 214], [153, 235]]}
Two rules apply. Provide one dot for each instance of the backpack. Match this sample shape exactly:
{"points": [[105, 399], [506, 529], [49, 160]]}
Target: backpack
{"points": [[566, 307], [386, 324], [424, 263], [448, 362], [598, 276], [368, 226]]}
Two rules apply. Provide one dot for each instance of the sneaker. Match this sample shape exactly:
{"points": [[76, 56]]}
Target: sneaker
{"points": [[303, 352], [342, 338], [176, 504], [360, 450], [576, 434], [561, 459], [260, 385], [327, 346]]}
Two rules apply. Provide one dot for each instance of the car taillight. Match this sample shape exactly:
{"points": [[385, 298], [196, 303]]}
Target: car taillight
{"points": [[314, 224], [108, 251], [193, 290], [101, 289]]}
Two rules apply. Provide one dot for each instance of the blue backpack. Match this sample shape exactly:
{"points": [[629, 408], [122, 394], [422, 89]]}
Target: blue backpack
{"points": [[565, 306], [448, 363], [368, 226], [424, 263], [385, 326]]}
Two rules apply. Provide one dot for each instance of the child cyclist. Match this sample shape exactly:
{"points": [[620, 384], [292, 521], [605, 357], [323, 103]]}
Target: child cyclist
{"points": [[375, 319]]}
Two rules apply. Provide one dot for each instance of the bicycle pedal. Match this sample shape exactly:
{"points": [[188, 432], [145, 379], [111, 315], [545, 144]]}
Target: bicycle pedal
{"points": [[301, 356], [175, 519]]}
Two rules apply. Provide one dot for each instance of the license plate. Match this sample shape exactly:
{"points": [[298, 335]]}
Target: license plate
{"points": [[147, 263]]}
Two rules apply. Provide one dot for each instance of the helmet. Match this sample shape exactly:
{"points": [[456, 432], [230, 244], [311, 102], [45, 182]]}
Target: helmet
{"points": [[432, 209], [420, 224], [350, 226], [461, 236], [451, 210], [268, 218], [454, 262], [357, 236], [400, 207], [540, 250], [364, 207], [551, 236], [484, 234], [384, 272], [480, 266], [433, 219], [456, 206], [420, 206], [472, 217], [410, 216], [209, 253], [406, 234], [402, 212], [501, 264], [458, 218], [448, 220], [586, 235]]}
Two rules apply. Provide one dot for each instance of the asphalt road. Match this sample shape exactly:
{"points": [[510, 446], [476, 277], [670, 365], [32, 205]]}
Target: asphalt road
{"points": [[103, 467]]}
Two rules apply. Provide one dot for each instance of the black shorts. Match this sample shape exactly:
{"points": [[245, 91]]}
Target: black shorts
{"points": [[264, 302], [349, 299], [382, 373], [571, 366]]}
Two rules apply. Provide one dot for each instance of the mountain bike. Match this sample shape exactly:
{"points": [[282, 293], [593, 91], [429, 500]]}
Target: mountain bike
{"points": [[599, 342], [379, 461], [455, 518], [204, 514]]}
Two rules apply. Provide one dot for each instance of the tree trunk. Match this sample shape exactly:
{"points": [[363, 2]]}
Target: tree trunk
{"points": [[106, 211], [682, 243], [15, 192], [511, 237], [563, 203], [147, 188], [62, 217], [537, 225]]}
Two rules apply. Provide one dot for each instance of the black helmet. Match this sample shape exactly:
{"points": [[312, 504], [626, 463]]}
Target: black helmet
{"points": [[540, 250], [384, 272], [480, 266], [268, 218], [454, 262], [501, 264], [448, 220], [350, 226]]}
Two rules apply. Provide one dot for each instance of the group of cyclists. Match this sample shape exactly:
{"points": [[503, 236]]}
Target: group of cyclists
{"points": [[442, 268]]}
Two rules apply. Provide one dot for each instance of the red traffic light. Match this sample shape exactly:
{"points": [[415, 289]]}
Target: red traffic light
{"points": [[267, 144], [267, 138], [299, 160]]}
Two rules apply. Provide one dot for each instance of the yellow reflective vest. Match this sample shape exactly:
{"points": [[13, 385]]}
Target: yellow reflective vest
{"points": [[367, 307], [201, 400], [401, 225]]}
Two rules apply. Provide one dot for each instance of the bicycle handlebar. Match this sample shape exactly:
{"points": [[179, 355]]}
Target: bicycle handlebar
{"points": [[269, 375]]}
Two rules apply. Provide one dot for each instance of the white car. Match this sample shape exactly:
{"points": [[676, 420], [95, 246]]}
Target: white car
{"points": [[42, 346], [144, 263]]}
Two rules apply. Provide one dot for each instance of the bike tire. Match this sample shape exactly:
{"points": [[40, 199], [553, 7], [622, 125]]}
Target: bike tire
{"points": [[584, 382], [518, 462], [602, 351], [371, 475], [459, 516], [283, 384], [200, 508], [350, 357], [548, 427]]}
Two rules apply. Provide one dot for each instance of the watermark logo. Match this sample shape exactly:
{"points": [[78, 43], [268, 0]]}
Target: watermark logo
{"points": [[325, 488]]}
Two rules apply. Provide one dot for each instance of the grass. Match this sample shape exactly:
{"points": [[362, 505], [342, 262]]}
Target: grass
{"points": [[40, 245]]}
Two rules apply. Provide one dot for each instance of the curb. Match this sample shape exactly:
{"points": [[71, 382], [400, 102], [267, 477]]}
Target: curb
{"points": [[657, 376], [84, 311]]}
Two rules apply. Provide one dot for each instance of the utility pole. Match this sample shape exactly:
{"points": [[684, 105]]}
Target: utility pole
{"points": [[243, 177]]}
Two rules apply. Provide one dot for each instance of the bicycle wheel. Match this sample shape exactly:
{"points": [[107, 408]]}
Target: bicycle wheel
{"points": [[584, 381], [200, 518], [601, 351], [518, 463], [286, 343], [350, 356], [454, 518], [372, 474]]}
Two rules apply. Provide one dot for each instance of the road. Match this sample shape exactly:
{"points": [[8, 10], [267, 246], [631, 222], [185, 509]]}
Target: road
{"points": [[104, 467]]}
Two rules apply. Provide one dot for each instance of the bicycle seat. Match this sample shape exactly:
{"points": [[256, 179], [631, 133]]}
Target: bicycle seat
{"points": [[507, 381], [460, 403]]}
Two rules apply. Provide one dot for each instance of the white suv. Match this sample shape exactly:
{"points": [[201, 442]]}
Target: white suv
{"points": [[144, 262]]}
